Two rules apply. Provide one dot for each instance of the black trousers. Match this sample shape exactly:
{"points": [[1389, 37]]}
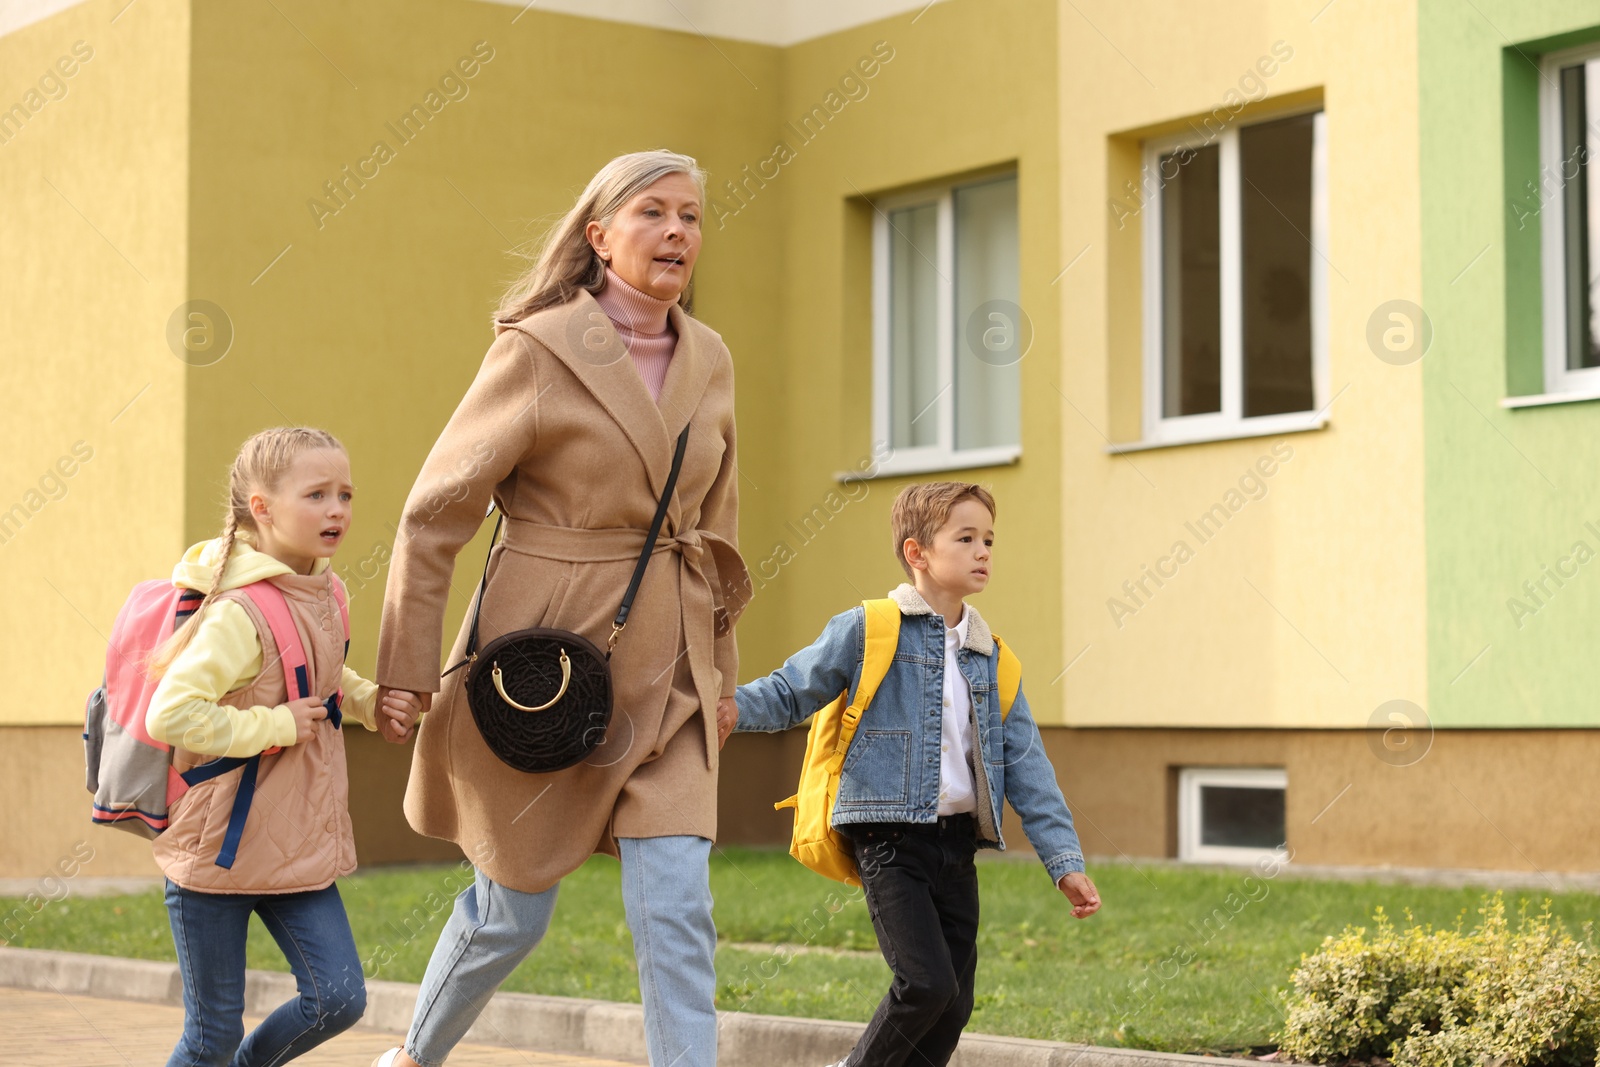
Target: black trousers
{"points": [[922, 893]]}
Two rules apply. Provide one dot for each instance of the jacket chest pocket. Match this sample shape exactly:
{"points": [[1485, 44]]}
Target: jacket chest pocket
{"points": [[877, 769]]}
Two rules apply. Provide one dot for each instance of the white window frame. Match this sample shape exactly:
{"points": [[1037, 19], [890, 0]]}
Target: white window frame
{"points": [[1190, 781], [943, 455], [1558, 380], [1230, 421]]}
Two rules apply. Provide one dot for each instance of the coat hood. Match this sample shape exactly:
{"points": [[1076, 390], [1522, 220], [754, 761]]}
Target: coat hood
{"points": [[247, 564]]}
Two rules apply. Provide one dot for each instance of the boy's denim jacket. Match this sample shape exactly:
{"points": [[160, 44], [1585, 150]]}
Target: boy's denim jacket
{"points": [[891, 773]]}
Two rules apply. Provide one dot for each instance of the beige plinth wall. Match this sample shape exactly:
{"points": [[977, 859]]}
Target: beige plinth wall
{"points": [[45, 779], [1490, 799]]}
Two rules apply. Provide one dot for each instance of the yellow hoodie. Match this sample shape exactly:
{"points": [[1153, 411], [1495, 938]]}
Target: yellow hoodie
{"points": [[225, 655]]}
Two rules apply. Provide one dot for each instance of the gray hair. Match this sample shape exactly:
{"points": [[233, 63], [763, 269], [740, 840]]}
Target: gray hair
{"points": [[565, 262]]}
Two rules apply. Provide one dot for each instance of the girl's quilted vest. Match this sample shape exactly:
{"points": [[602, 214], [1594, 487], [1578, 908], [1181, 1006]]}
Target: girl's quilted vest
{"points": [[298, 835]]}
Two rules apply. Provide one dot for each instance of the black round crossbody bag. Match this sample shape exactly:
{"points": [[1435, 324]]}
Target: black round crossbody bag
{"points": [[542, 697]]}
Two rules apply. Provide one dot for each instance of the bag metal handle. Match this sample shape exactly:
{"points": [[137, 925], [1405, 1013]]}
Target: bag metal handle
{"points": [[566, 677]]}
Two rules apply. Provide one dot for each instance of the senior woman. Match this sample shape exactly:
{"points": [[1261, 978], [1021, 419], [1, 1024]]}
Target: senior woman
{"points": [[570, 428]]}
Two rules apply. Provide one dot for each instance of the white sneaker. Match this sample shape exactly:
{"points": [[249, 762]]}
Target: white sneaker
{"points": [[386, 1059]]}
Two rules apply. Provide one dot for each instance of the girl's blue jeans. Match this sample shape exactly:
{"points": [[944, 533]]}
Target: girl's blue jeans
{"points": [[666, 891], [209, 930]]}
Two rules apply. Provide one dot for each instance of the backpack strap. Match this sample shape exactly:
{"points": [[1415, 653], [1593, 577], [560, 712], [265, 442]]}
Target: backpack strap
{"points": [[269, 599], [882, 619], [242, 798], [291, 653], [1009, 671]]}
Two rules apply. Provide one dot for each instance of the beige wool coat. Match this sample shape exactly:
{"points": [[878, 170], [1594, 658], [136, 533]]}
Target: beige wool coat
{"points": [[560, 431]]}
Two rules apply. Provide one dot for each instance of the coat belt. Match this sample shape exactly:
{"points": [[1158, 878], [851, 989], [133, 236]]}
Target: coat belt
{"points": [[714, 595]]}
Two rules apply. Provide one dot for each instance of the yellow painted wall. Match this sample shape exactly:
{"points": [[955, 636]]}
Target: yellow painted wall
{"points": [[1307, 608], [1305, 611], [373, 323], [94, 187], [370, 324], [970, 86], [371, 320]]}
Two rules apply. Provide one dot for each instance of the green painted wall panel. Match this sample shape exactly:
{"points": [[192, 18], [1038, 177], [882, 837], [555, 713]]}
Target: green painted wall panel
{"points": [[1511, 494]]}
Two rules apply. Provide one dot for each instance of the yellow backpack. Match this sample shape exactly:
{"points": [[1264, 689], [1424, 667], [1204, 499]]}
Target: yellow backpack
{"points": [[815, 842]]}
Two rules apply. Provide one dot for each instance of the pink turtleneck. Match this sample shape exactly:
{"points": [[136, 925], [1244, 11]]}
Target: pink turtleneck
{"points": [[641, 322]]}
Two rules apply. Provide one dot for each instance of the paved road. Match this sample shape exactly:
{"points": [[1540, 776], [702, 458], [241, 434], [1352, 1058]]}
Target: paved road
{"points": [[55, 1030]]}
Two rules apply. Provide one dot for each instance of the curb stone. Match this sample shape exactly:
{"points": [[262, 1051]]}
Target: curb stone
{"points": [[561, 1024]]}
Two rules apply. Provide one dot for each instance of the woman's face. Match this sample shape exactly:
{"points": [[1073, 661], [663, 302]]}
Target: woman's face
{"points": [[654, 239]]}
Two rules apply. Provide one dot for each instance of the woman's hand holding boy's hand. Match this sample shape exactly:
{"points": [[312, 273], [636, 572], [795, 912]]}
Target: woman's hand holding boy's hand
{"points": [[306, 712], [1081, 891], [727, 719], [398, 711]]}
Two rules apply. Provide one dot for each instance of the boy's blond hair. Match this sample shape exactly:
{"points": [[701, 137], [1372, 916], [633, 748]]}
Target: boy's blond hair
{"points": [[921, 509]]}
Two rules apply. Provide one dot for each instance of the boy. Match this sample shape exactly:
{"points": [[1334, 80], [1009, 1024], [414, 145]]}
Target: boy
{"points": [[922, 786]]}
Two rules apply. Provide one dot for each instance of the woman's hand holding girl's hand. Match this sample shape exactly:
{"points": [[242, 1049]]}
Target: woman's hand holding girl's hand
{"points": [[398, 712], [1084, 896], [306, 711], [727, 719]]}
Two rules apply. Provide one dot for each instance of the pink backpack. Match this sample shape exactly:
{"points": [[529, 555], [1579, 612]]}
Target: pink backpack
{"points": [[130, 773]]}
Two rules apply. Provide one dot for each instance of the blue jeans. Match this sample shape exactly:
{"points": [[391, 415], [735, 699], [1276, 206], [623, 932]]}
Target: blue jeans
{"points": [[209, 930], [666, 891]]}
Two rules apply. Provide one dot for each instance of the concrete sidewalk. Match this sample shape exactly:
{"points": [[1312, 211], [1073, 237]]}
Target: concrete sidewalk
{"points": [[61, 1030], [78, 995]]}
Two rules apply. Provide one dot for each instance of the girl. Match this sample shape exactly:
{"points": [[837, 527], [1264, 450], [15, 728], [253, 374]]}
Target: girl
{"points": [[269, 835]]}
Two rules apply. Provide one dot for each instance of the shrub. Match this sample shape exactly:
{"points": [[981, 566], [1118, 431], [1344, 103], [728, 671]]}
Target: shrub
{"points": [[1421, 997]]}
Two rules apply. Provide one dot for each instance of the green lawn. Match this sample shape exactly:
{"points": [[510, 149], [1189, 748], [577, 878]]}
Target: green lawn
{"points": [[1172, 962]]}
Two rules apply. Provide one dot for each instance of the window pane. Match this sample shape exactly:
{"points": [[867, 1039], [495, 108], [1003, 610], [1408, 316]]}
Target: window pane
{"points": [[988, 378], [1241, 817], [1275, 268], [1191, 284], [913, 326], [1580, 98]]}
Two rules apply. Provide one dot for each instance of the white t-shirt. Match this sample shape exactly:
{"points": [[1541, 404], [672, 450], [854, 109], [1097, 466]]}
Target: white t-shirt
{"points": [[956, 790]]}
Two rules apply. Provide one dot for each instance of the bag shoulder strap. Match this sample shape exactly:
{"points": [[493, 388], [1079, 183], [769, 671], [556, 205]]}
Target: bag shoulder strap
{"points": [[638, 568], [882, 620], [269, 599], [1010, 676], [650, 541], [274, 607]]}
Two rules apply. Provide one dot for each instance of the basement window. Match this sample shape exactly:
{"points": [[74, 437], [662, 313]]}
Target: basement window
{"points": [[1231, 814]]}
